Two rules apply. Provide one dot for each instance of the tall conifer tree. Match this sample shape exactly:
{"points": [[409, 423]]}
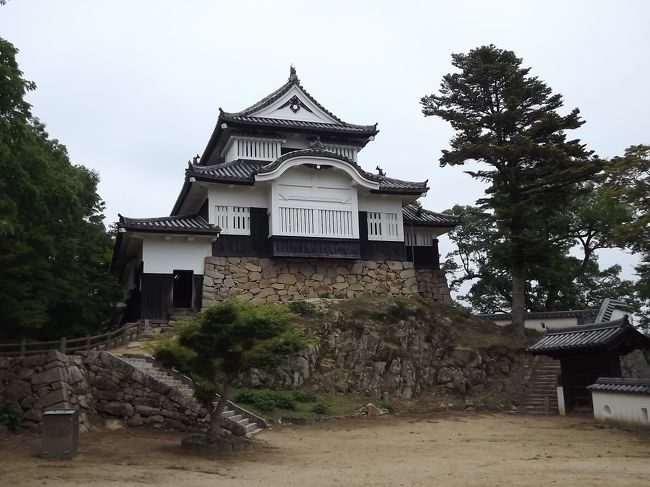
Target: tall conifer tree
{"points": [[508, 120]]}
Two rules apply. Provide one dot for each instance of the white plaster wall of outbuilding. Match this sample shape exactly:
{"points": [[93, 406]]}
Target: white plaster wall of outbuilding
{"points": [[623, 408], [164, 254], [543, 324]]}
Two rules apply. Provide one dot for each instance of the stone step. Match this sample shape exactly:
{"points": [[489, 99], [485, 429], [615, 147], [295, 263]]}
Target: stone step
{"points": [[253, 432], [171, 380]]}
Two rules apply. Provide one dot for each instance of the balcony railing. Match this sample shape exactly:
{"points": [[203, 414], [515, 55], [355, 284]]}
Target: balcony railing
{"points": [[320, 223]]}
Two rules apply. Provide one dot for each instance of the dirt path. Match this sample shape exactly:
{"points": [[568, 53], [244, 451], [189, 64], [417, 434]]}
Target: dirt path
{"points": [[458, 450]]}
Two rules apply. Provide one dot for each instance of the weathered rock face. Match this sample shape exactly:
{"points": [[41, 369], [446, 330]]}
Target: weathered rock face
{"points": [[256, 279], [405, 350], [634, 365]]}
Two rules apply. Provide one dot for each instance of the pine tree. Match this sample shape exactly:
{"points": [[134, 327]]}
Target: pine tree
{"points": [[508, 120]]}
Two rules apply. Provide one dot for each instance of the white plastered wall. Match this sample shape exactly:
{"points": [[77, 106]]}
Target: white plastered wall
{"points": [[304, 187], [621, 408], [236, 195], [384, 204], [542, 324], [162, 256], [314, 114]]}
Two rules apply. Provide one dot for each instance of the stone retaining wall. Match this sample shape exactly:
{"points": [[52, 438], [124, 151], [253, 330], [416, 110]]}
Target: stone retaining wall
{"points": [[49, 381], [433, 284], [121, 390], [261, 279], [95, 383]]}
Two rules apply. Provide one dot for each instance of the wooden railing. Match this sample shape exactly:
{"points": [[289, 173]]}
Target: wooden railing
{"points": [[105, 341]]}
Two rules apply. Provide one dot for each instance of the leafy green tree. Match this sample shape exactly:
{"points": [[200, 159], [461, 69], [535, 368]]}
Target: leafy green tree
{"points": [[215, 347], [628, 183], [54, 249], [564, 281], [508, 120]]}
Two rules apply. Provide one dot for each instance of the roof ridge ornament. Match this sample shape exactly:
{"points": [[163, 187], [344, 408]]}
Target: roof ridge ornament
{"points": [[292, 74], [317, 144]]}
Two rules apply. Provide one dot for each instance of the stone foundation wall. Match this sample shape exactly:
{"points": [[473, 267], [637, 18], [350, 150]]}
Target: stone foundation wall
{"points": [[49, 381], [120, 390], [261, 279], [96, 384], [433, 284]]}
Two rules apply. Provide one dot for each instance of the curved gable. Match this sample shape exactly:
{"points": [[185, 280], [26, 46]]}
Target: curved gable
{"points": [[316, 158]]}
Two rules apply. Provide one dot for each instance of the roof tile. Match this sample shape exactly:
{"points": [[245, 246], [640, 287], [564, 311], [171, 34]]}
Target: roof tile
{"points": [[192, 224]]}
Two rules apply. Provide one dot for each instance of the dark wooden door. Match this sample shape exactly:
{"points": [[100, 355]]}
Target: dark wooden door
{"points": [[183, 286]]}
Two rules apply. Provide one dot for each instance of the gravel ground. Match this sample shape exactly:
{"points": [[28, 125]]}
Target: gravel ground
{"points": [[446, 450]]}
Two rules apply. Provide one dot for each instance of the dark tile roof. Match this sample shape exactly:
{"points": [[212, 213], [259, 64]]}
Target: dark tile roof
{"points": [[239, 171], [245, 115], [192, 224], [620, 384], [421, 217], [589, 314], [243, 172], [280, 123], [610, 336]]}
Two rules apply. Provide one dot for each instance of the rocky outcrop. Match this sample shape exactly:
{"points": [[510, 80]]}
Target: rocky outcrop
{"points": [[407, 350], [256, 279]]}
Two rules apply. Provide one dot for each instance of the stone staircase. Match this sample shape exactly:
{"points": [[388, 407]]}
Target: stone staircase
{"points": [[541, 384], [239, 419], [179, 314]]}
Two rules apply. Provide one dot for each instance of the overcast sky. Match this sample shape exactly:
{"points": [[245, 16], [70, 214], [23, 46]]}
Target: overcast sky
{"points": [[132, 88]]}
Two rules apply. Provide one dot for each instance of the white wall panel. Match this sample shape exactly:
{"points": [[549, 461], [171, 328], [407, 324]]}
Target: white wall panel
{"points": [[163, 256]]}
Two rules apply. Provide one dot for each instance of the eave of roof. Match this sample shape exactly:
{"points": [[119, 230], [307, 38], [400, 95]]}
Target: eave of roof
{"points": [[571, 313], [185, 224], [596, 337], [621, 384], [282, 123], [243, 171], [419, 216]]}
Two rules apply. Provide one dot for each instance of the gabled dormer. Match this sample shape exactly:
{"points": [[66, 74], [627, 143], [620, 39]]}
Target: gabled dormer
{"points": [[287, 119]]}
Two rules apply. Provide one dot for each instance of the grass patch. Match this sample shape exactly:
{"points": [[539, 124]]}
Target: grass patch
{"points": [[277, 404]]}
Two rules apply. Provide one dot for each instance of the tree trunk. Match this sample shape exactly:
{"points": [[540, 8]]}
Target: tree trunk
{"points": [[518, 299], [216, 417]]}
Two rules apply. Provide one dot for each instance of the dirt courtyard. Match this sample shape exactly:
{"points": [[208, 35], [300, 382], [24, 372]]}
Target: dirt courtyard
{"points": [[433, 450]]}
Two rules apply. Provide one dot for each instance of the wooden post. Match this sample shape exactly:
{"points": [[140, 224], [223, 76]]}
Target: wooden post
{"points": [[87, 343], [547, 409], [125, 335], [23, 345], [63, 345]]}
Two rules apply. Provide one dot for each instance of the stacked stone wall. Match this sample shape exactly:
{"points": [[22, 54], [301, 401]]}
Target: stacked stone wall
{"points": [[121, 390], [49, 381], [262, 279], [95, 383], [433, 284]]}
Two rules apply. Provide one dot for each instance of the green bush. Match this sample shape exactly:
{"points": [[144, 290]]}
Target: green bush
{"points": [[302, 396], [389, 406], [303, 308], [11, 415], [285, 401], [267, 401], [321, 408], [264, 403]]}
